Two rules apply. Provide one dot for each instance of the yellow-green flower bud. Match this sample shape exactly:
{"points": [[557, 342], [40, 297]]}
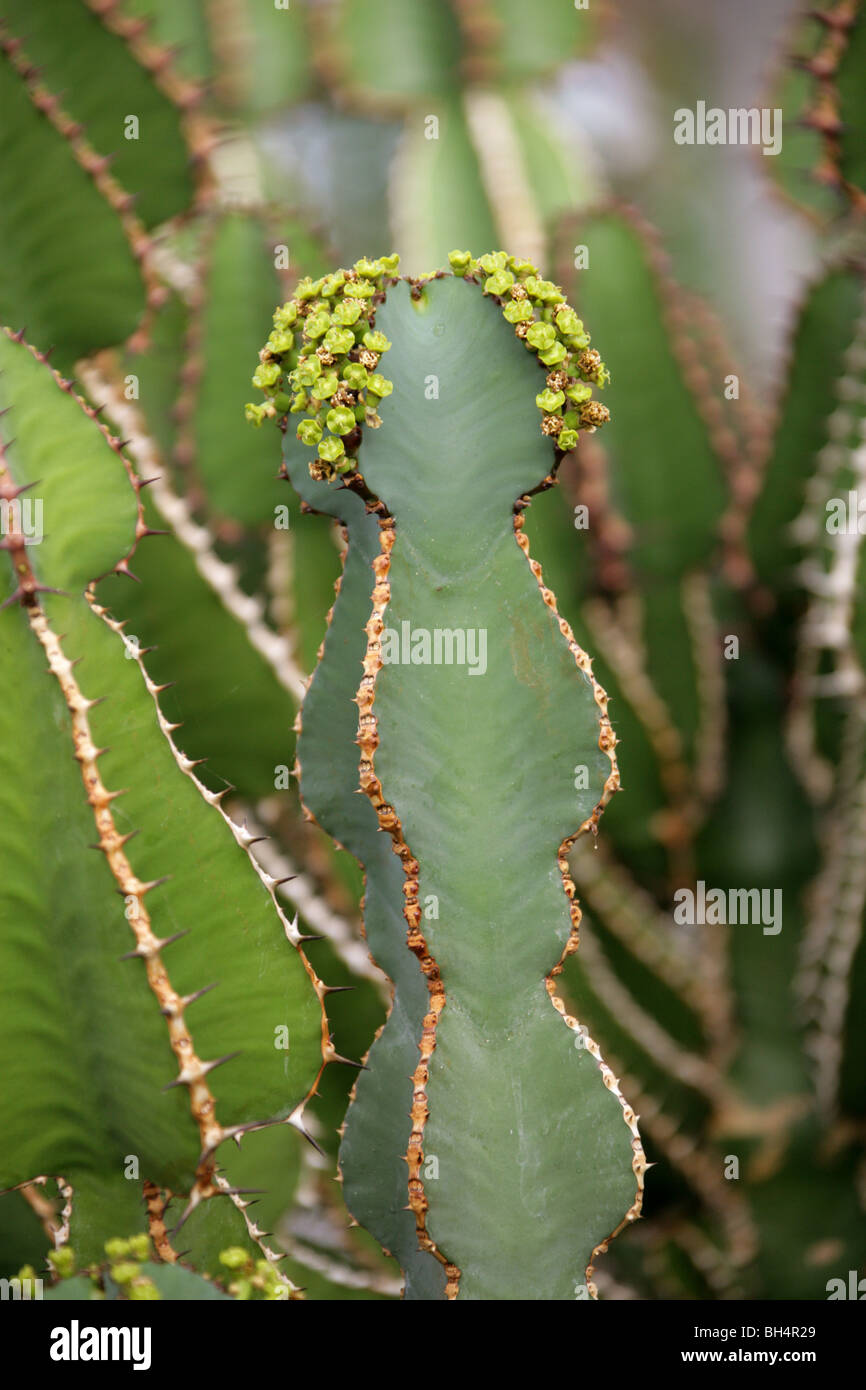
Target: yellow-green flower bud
{"points": [[143, 1291], [340, 420], [493, 261], [308, 370], [332, 449], [317, 324], [234, 1257], [309, 432], [376, 342], [543, 290], [355, 375], [280, 341], [549, 401], [332, 283], [361, 289], [307, 288], [567, 320], [571, 328], [541, 336], [460, 261], [498, 282], [518, 311], [266, 374], [325, 387], [379, 385], [339, 340], [286, 315], [347, 312], [62, 1261], [552, 356]]}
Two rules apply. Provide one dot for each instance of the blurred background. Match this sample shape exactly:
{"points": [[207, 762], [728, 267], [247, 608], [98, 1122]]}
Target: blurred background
{"points": [[583, 107], [725, 290]]}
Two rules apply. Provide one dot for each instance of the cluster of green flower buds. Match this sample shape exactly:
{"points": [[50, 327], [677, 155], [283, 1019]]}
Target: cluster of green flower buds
{"points": [[62, 1262], [320, 362], [254, 1279], [125, 1257], [540, 316]]}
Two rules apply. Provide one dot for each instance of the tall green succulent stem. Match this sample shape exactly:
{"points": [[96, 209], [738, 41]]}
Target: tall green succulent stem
{"points": [[488, 1145]]}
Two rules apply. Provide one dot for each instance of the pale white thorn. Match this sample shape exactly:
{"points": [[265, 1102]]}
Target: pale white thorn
{"points": [[291, 929]]}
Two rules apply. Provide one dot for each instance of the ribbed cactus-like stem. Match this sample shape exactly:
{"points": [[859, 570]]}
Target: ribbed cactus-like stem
{"points": [[487, 1135]]}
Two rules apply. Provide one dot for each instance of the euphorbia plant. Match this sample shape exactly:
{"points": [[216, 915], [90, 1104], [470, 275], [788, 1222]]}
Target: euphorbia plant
{"points": [[127, 1068], [487, 1146]]}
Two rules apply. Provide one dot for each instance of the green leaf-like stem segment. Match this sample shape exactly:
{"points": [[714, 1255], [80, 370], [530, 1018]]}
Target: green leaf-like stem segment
{"points": [[520, 1164], [110, 1052]]}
